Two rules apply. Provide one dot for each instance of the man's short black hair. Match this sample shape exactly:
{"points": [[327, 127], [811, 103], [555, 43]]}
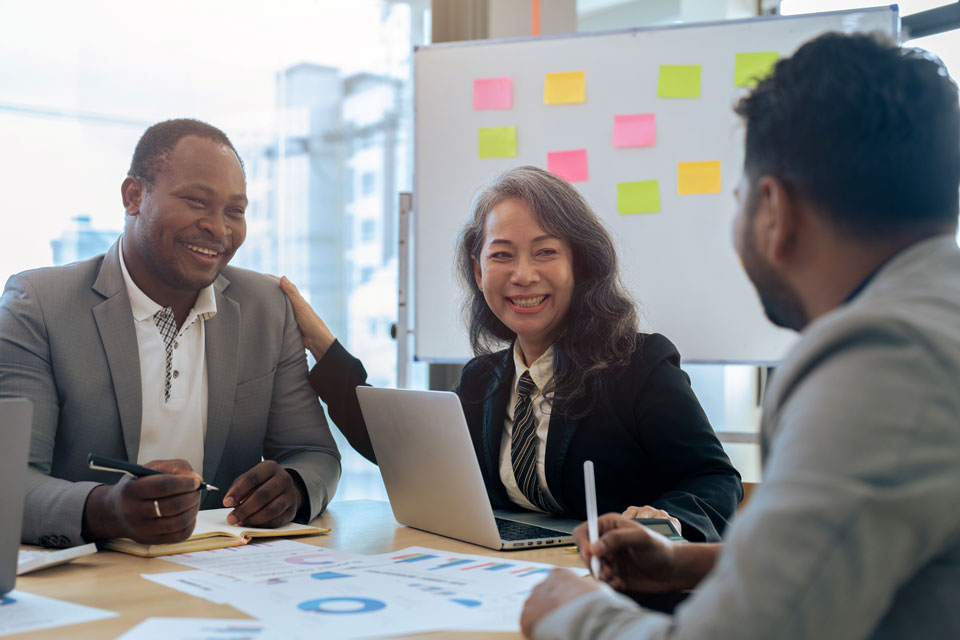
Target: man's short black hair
{"points": [[157, 142], [867, 131]]}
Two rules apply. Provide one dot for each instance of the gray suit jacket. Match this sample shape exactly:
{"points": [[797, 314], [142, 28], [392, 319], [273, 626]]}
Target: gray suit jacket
{"points": [[855, 531], [68, 342]]}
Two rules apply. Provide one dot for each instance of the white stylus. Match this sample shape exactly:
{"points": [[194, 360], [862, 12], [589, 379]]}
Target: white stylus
{"points": [[590, 491]]}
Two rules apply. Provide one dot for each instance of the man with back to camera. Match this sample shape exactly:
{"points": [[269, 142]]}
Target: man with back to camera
{"points": [[157, 352], [848, 232]]}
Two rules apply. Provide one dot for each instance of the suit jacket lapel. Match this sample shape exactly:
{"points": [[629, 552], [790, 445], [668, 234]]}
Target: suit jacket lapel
{"points": [[114, 320], [222, 335], [494, 415], [559, 435]]}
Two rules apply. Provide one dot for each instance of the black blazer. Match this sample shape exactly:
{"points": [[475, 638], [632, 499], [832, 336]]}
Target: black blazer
{"points": [[649, 439]]}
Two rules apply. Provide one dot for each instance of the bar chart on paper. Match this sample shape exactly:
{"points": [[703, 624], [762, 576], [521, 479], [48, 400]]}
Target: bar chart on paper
{"points": [[453, 564]]}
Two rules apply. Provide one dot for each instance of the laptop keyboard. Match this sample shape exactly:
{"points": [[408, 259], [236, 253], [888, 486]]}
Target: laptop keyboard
{"points": [[511, 531]]}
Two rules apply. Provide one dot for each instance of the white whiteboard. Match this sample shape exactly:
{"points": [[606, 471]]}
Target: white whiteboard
{"points": [[678, 262]]}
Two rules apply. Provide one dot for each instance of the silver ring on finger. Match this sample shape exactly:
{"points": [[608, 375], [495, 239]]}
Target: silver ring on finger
{"points": [[156, 508]]}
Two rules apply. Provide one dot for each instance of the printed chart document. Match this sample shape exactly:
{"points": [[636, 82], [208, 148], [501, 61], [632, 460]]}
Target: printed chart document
{"points": [[212, 532], [329, 594], [300, 589], [409, 591], [28, 561], [490, 591], [21, 612], [332, 604]]}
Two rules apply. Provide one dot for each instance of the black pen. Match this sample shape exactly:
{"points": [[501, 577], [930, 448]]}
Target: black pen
{"points": [[101, 463]]}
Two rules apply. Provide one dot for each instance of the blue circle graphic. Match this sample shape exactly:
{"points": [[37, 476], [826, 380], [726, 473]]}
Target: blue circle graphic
{"points": [[360, 605]]}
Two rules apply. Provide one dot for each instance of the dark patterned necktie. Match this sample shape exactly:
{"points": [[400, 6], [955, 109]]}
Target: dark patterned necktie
{"points": [[167, 326], [523, 445]]}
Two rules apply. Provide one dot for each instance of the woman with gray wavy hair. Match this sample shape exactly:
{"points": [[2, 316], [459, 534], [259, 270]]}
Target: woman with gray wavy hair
{"points": [[561, 374]]}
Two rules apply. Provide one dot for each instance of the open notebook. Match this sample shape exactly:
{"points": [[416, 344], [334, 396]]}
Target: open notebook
{"points": [[211, 532]]}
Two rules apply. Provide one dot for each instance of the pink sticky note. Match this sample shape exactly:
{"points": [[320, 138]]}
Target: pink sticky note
{"points": [[635, 130], [492, 93], [569, 165]]}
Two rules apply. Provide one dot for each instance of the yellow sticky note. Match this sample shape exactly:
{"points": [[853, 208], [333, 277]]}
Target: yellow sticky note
{"points": [[678, 81], [565, 88], [749, 68], [497, 142], [638, 197], [698, 177]]}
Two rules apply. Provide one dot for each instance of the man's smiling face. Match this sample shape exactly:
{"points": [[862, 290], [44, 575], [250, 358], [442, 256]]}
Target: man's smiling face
{"points": [[190, 221]]}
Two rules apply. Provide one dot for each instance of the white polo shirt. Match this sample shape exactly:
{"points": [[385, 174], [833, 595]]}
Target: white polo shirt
{"points": [[541, 372], [173, 428]]}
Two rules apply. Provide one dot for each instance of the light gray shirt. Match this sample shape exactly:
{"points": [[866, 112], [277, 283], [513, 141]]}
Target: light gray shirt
{"points": [[855, 530]]}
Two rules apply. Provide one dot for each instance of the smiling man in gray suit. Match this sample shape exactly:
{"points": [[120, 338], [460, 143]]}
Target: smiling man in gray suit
{"points": [[157, 352]]}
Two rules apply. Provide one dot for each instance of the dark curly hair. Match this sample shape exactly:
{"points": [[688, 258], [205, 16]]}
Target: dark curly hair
{"points": [[864, 129], [600, 330], [157, 142]]}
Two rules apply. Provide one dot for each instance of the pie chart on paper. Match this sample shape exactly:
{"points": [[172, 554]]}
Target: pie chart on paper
{"points": [[342, 606]]}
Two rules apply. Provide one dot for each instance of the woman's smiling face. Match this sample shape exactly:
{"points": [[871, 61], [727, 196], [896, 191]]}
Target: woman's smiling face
{"points": [[526, 275]]}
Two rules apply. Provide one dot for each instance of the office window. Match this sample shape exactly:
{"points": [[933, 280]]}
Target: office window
{"points": [[369, 183], [80, 82], [348, 187], [368, 229], [349, 235]]}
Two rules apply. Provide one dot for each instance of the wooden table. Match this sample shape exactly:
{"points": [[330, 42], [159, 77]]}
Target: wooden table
{"points": [[111, 580]]}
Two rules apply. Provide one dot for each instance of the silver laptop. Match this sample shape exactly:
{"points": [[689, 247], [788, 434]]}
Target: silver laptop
{"points": [[16, 418], [431, 472]]}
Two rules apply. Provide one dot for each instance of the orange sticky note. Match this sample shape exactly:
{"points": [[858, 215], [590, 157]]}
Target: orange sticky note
{"points": [[698, 177], [565, 88], [569, 165], [492, 93], [635, 130]]}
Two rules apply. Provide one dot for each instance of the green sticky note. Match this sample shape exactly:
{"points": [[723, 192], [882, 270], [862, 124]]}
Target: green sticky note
{"points": [[497, 142], [679, 81], [750, 68], [638, 197]]}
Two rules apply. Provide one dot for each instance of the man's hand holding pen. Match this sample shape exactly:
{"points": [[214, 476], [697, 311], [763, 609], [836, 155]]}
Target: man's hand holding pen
{"points": [[152, 509]]}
